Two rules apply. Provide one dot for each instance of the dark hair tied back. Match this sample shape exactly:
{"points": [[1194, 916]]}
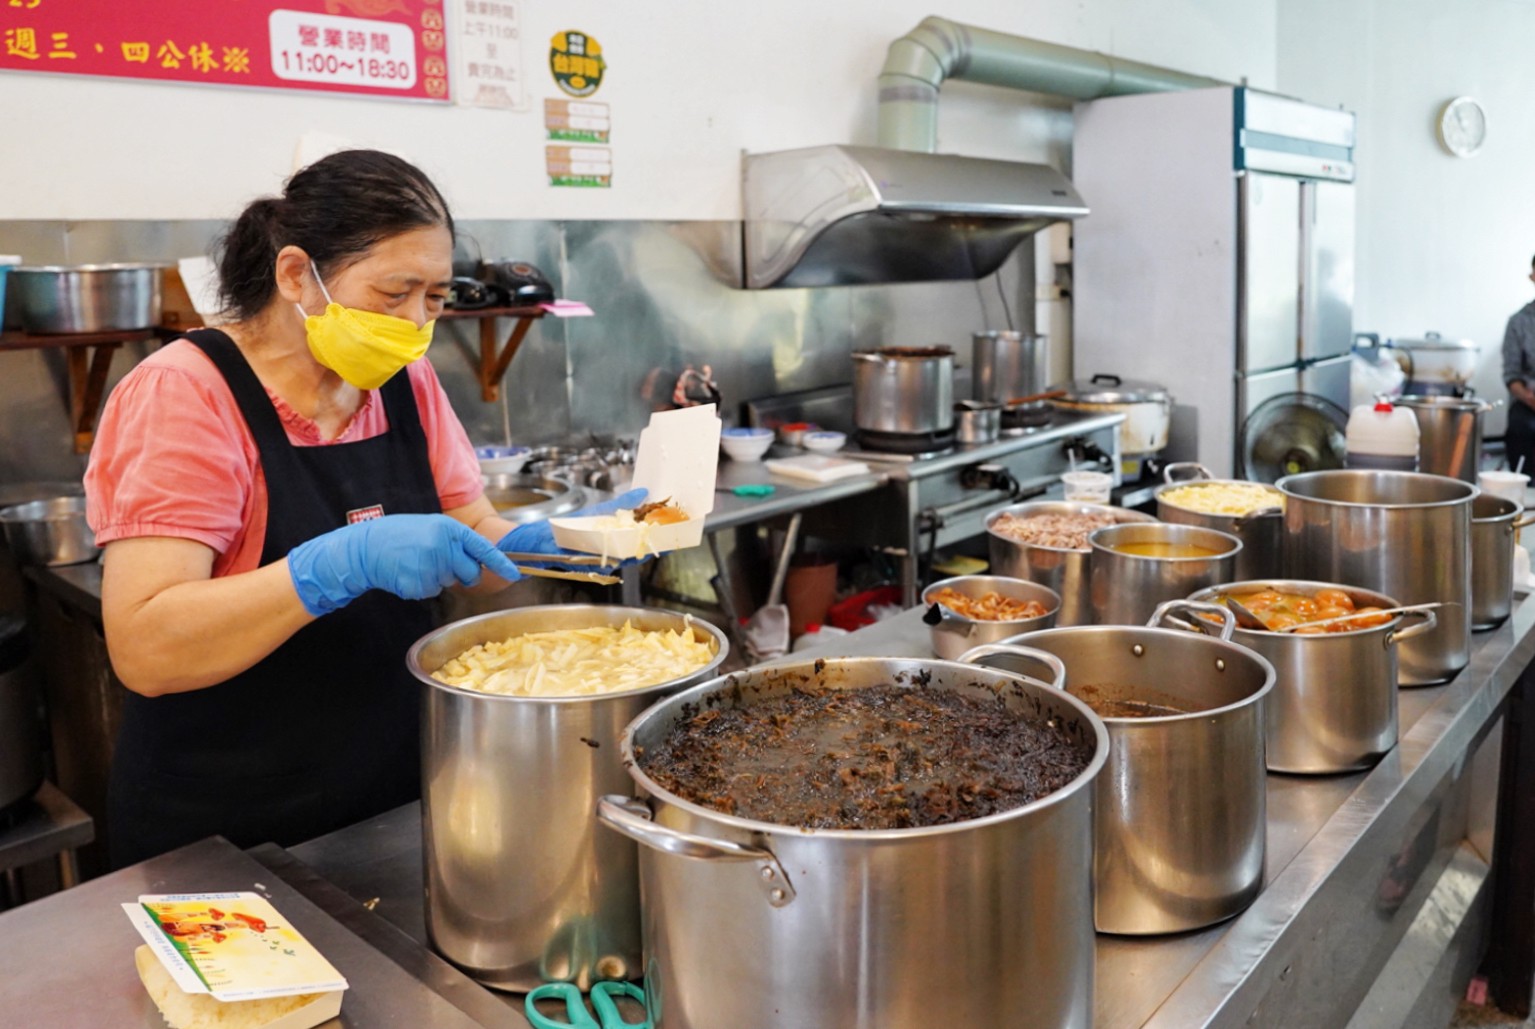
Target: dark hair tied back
{"points": [[335, 210]]}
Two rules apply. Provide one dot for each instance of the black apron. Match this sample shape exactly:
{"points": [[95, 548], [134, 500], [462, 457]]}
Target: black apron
{"points": [[324, 731]]}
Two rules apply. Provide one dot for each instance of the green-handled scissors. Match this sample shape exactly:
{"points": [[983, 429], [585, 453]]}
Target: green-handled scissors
{"points": [[608, 1015]]}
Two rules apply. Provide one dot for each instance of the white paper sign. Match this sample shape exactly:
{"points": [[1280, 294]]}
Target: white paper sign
{"points": [[489, 66]]}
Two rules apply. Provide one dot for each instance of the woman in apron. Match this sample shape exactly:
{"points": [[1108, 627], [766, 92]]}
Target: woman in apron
{"points": [[276, 499]]}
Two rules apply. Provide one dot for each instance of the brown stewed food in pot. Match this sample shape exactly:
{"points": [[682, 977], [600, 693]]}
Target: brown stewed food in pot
{"points": [[879, 757]]}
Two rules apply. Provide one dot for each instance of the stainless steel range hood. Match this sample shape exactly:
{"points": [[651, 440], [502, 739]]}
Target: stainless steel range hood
{"points": [[848, 215], [842, 215]]}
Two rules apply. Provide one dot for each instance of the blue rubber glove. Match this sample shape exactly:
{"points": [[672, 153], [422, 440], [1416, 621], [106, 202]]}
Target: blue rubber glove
{"points": [[538, 537], [414, 556]]}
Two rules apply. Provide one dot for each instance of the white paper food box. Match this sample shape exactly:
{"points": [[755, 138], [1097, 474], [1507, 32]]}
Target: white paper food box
{"points": [[678, 459]]}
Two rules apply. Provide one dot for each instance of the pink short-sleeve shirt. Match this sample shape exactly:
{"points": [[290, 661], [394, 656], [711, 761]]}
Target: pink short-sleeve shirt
{"points": [[174, 457]]}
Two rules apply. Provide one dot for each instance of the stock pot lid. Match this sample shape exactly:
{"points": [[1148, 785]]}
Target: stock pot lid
{"points": [[1111, 389], [1433, 341]]}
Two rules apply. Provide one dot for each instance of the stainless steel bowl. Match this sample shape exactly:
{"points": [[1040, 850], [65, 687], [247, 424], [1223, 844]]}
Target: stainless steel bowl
{"points": [[85, 297], [531, 498], [953, 634], [49, 532]]}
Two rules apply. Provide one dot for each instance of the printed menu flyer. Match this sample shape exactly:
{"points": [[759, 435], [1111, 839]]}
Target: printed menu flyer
{"points": [[233, 946]]}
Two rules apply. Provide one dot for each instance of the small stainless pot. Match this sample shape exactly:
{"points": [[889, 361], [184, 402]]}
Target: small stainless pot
{"points": [[1334, 705], [86, 297], [1260, 529], [1008, 364], [521, 888], [986, 922], [49, 532], [1126, 588], [904, 390], [954, 634], [977, 422], [1494, 523], [1179, 815], [1064, 571], [1405, 534]]}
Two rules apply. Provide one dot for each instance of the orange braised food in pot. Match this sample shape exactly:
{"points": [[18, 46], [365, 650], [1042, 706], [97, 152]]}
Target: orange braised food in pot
{"points": [[1279, 610], [988, 607]]}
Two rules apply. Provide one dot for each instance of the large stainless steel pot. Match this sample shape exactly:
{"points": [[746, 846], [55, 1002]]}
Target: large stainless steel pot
{"points": [[1147, 407], [1179, 814], [86, 297], [1125, 589], [953, 634], [1006, 365], [1449, 434], [1064, 571], [979, 923], [520, 887], [1494, 523], [1334, 707], [1259, 529], [904, 390], [1404, 534]]}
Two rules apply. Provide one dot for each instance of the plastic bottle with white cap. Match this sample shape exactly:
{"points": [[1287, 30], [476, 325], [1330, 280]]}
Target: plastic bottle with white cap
{"points": [[1382, 436]]}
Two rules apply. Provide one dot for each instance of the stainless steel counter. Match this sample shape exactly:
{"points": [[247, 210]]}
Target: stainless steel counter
{"points": [[1376, 885]]}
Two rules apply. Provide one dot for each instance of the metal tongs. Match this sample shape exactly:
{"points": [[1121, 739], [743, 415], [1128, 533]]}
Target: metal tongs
{"points": [[523, 561]]}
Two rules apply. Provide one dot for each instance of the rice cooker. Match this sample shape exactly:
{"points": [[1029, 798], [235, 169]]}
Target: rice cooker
{"points": [[1435, 365], [1147, 407]]}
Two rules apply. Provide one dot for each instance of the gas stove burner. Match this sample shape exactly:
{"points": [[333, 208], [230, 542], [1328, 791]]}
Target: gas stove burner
{"points": [[905, 442]]}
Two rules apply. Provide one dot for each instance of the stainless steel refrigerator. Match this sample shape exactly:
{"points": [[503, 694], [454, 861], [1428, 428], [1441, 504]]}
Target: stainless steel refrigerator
{"points": [[1219, 256]]}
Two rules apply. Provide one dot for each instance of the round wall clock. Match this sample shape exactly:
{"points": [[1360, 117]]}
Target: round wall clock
{"points": [[1462, 126]]}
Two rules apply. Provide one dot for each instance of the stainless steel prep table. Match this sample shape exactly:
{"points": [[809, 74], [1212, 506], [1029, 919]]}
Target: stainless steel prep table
{"points": [[1372, 894], [68, 958]]}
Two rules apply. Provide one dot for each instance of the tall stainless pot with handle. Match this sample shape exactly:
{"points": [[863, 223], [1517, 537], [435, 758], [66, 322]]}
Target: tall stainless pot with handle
{"points": [[1449, 433], [1259, 528], [906, 391], [1179, 816], [521, 888], [1006, 365], [1404, 534], [1334, 705], [986, 922], [1494, 523]]}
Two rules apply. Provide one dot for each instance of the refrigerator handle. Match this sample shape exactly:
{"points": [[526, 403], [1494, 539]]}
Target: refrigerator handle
{"points": [[1305, 315]]}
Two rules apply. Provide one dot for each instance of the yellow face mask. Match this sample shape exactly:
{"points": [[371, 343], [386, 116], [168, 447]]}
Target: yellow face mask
{"points": [[363, 347]]}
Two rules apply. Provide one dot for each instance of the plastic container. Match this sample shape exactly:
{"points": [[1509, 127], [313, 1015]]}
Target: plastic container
{"points": [[1383, 437], [1508, 485], [1087, 487]]}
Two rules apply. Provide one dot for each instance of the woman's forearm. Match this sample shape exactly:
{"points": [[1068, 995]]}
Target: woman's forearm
{"points": [[193, 634]]}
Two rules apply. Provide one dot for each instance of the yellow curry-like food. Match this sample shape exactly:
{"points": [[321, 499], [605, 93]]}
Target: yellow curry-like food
{"points": [[1279, 610]]}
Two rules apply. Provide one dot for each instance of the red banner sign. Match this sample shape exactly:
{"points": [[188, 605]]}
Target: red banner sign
{"points": [[392, 48]]}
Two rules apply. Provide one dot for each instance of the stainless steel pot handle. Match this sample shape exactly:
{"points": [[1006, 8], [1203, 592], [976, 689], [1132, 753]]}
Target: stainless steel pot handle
{"points": [[1199, 470], [1427, 625], [1056, 665], [1253, 516], [1520, 523], [633, 818], [1164, 613]]}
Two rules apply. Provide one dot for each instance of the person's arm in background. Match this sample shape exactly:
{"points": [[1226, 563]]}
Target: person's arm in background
{"points": [[1515, 345]]}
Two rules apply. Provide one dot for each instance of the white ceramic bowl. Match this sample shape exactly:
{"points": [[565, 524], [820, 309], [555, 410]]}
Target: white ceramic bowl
{"points": [[501, 460], [823, 442], [746, 444]]}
